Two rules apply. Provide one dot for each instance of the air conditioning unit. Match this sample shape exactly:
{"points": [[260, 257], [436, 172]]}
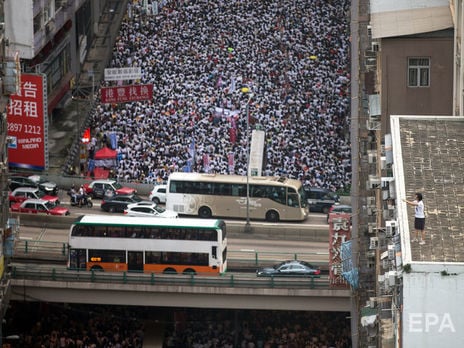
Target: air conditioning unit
{"points": [[390, 228], [370, 201], [381, 280], [49, 27], [391, 252], [373, 243], [371, 156], [385, 195], [370, 63], [373, 182], [392, 278], [388, 213], [385, 264], [372, 227], [373, 125], [375, 46], [383, 162]]}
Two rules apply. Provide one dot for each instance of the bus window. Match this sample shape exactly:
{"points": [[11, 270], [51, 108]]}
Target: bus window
{"points": [[238, 190], [152, 257], [293, 200], [107, 255], [214, 252], [204, 188]]}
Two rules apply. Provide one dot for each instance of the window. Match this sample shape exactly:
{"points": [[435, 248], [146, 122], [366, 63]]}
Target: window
{"points": [[418, 72]]}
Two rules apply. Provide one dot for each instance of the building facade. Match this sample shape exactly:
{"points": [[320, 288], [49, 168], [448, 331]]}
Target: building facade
{"points": [[409, 64]]}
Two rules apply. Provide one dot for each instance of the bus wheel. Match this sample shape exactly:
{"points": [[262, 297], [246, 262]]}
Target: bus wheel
{"points": [[272, 216], [204, 213], [169, 271], [189, 271], [97, 269]]}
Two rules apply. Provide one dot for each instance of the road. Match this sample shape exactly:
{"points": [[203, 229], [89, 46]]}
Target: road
{"points": [[236, 244], [240, 246]]}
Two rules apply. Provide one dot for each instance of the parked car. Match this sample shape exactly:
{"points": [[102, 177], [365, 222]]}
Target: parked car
{"points": [[158, 194], [22, 193], [45, 185], [320, 200], [118, 203], [39, 206], [337, 209], [150, 210], [48, 187], [289, 268], [100, 188], [16, 181]]}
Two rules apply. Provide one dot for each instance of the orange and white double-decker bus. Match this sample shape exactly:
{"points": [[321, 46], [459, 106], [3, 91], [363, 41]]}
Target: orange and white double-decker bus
{"points": [[149, 245]]}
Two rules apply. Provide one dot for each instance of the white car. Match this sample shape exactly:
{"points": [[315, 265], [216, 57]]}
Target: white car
{"points": [[158, 194], [152, 209]]}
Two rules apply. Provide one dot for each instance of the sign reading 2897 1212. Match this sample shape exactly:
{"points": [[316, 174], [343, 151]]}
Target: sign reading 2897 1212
{"points": [[28, 124]]}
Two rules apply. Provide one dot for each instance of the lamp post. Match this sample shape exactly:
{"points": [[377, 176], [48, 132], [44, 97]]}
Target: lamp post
{"points": [[247, 223]]}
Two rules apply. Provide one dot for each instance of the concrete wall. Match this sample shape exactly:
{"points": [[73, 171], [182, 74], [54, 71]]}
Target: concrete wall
{"points": [[397, 97], [432, 309]]}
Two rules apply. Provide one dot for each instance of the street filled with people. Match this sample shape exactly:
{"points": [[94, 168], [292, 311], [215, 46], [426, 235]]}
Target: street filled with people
{"points": [[55, 325], [283, 64], [217, 67]]}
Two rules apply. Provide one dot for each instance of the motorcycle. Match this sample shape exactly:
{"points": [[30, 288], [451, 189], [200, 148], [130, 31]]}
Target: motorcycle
{"points": [[84, 201]]}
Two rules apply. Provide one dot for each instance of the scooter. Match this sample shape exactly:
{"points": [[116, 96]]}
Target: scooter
{"points": [[85, 201]]}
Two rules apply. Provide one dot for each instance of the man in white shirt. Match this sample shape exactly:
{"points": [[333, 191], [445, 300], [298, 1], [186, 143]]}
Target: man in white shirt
{"points": [[419, 217]]}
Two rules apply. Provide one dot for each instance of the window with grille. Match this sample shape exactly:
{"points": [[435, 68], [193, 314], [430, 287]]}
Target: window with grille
{"points": [[419, 72]]}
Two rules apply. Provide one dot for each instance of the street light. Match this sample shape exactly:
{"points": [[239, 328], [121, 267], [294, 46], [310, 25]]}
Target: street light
{"points": [[246, 90]]}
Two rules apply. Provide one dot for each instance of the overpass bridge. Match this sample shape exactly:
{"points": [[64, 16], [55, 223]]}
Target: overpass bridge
{"points": [[48, 283], [37, 272]]}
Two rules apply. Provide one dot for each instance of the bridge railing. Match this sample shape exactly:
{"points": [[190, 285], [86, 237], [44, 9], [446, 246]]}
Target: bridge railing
{"points": [[40, 249], [48, 273], [237, 259]]}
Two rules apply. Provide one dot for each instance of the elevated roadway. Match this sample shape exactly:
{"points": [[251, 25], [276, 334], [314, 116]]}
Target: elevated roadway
{"points": [[53, 283], [244, 291]]}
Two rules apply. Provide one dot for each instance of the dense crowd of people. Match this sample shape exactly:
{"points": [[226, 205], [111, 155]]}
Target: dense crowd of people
{"points": [[259, 329], [283, 64], [54, 325]]}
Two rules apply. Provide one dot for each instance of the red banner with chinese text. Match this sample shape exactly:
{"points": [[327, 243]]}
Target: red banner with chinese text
{"points": [[339, 232], [27, 124]]}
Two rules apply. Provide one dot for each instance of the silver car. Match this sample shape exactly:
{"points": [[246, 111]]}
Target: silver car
{"points": [[149, 209]]}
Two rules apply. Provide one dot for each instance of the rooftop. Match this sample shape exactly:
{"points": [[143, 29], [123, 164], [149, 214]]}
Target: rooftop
{"points": [[429, 151]]}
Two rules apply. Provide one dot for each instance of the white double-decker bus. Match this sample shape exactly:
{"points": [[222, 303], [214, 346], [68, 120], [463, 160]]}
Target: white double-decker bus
{"points": [[147, 244], [207, 195]]}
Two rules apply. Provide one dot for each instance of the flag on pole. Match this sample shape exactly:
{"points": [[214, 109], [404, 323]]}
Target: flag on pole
{"points": [[206, 163], [231, 162], [192, 149], [232, 86], [189, 166]]}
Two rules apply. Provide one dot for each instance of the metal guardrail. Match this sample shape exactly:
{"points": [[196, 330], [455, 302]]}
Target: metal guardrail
{"points": [[40, 249], [237, 259], [227, 280]]}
